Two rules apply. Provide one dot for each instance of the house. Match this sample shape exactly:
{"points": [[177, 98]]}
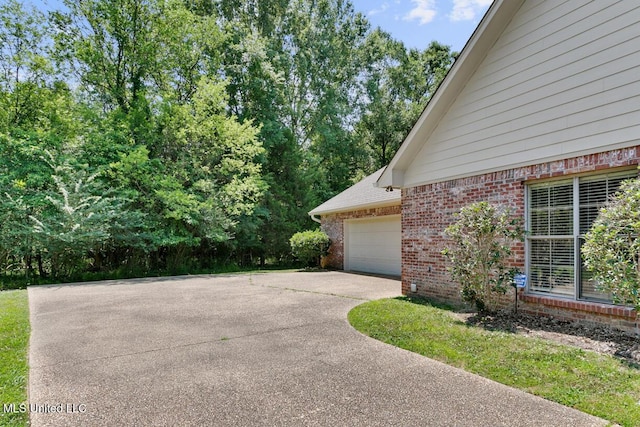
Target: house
{"points": [[363, 223], [540, 113]]}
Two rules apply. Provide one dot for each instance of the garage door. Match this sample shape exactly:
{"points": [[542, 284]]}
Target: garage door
{"points": [[373, 245]]}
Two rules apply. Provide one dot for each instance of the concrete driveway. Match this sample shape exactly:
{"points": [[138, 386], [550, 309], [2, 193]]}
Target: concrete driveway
{"points": [[246, 350]]}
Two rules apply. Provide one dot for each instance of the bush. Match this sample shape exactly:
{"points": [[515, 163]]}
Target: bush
{"points": [[612, 247], [310, 246], [482, 239]]}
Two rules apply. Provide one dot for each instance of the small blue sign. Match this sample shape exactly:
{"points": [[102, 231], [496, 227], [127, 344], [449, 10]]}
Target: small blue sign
{"points": [[520, 280]]}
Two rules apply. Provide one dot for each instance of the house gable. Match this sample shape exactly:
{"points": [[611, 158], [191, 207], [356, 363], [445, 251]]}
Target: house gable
{"points": [[560, 81], [352, 220]]}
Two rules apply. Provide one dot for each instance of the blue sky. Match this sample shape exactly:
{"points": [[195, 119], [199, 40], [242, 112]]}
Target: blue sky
{"points": [[418, 22]]}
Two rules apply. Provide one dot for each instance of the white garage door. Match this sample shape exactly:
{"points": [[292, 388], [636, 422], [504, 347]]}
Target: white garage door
{"points": [[373, 245]]}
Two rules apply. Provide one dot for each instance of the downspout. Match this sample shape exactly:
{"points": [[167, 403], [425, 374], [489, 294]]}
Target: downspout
{"points": [[315, 218]]}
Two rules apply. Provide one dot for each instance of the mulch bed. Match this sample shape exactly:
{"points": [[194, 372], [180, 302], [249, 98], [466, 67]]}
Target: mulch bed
{"points": [[600, 339]]}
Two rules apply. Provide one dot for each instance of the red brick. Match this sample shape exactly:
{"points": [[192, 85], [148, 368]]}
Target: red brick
{"points": [[428, 209]]}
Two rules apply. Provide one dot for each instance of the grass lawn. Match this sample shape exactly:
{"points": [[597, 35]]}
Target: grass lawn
{"points": [[14, 339], [596, 384]]}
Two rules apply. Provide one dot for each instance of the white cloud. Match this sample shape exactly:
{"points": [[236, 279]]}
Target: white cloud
{"points": [[383, 7], [424, 11], [466, 10]]}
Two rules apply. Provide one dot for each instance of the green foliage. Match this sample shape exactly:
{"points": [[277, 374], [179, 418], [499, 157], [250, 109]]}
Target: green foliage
{"points": [[78, 218], [599, 385], [293, 67], [611, 249], [14, 340], [309, 246], [398, 84], [188, 134], [24, 66], [25, 179], [482, 238]]}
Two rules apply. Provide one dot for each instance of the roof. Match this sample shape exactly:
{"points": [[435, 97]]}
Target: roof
{"points": [[362, 195], [482, 40]]}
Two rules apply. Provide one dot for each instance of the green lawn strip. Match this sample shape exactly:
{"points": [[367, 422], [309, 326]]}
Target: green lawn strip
{"points": [[14, 340], [599, 385]]}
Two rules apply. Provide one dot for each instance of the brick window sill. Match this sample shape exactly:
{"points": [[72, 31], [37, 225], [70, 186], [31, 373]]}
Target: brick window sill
{"points": [[584, 306]]}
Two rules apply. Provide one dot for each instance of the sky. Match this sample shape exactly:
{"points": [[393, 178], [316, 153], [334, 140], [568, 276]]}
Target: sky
{"points": [[418, 22]]}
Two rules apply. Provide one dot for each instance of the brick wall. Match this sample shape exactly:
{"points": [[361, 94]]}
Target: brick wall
{"points": [[333, 225], [428, 209]]}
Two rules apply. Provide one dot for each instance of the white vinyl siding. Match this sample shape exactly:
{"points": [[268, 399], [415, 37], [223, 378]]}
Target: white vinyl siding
{"points": [[374, 245], [559, 213], [561, 81]]}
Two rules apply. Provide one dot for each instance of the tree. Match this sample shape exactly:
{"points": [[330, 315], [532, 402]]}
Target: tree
{"points": [[32, 97], [16, 242], [112, 48], [25, 180], [611, 249], [24, 66], [62, 224], [213, 127], [293, 68], [398, 85], [131, 54], [217, 155], [206, 183], [164, 130], [482, 238], [79, 218]]}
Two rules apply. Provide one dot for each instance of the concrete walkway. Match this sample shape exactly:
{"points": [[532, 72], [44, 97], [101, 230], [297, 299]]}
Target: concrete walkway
{"points": [[247, 350]]}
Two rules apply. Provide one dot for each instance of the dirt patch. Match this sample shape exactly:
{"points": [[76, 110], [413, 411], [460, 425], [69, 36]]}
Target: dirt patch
{"points": [[600, 339]]}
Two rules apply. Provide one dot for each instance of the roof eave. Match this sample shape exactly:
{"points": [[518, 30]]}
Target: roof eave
{"points": [[484, 37], [386, 203]]}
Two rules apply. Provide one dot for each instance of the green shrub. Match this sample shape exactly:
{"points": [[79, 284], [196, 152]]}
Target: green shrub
{"points": [[309, 246], [611, 248], [482, 239]]}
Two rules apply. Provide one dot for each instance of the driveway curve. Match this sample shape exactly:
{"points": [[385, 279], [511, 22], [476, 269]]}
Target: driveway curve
{"points": [[247, 350]]}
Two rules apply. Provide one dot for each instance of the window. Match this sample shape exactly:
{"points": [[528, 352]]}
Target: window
{"points": [[559, 213]]}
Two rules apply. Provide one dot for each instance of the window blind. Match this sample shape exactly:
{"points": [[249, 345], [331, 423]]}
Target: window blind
{"points": [[551, 263], [551, 210], [554, 241]]}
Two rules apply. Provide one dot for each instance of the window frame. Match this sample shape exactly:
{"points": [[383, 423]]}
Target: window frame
{"points": [[577, 237]]}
